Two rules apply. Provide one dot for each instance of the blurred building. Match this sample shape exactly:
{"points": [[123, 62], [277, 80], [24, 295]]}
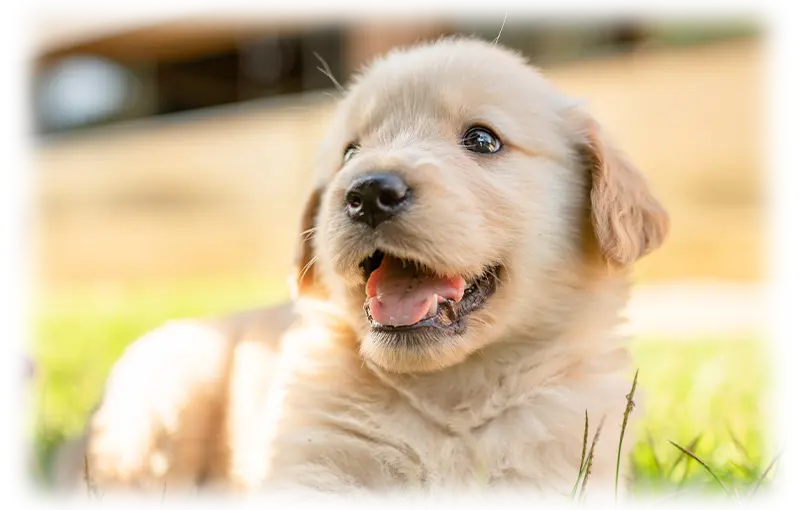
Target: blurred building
{"points": [[183, 149]]}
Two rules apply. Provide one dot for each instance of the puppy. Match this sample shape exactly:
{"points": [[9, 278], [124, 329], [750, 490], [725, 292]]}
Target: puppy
{"points": [[473, 236], [463, 263]]}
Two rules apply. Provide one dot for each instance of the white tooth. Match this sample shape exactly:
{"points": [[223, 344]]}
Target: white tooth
{"points": [[434, 306]]}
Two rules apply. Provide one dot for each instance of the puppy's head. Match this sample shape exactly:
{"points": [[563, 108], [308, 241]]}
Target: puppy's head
{"points": [[457, 191]]}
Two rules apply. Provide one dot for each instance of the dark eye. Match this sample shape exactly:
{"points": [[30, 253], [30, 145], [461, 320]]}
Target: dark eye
{"points": [[349, 152], [481, 140]]}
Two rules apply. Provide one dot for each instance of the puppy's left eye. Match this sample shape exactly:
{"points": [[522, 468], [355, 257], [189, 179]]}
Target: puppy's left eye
{"points": [[349, 152], [481, 140]]}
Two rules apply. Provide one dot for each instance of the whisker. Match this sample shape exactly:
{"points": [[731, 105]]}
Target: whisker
{"points": [[307, 267], [326, 70], [493, 275], [496, 39], [308, 235]]}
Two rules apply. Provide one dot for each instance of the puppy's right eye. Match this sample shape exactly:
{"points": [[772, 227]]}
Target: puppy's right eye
{"points": [[481, 140], [349, 152]]}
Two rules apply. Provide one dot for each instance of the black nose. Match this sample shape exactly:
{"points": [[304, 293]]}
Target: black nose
{"points": [[373, 199]]}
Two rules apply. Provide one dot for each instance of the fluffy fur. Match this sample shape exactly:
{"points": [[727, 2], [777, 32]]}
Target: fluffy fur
{"points": [[307, 396], [181, 410]]}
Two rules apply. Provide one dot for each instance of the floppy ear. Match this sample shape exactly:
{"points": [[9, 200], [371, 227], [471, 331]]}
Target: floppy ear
{"points": [[305, 278], [627, 220]]}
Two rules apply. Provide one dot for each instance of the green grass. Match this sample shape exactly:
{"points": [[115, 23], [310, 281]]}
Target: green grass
{"points": [[707, 395]]}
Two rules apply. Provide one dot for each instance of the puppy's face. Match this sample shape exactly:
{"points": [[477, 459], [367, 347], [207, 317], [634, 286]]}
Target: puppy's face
{"points": [[458, 192]]}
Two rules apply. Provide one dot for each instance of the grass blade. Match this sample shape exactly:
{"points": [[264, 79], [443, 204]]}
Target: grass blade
{"points": [[164, 491], [589, 457], [585, 436], [765, 473], [710, 471], [628, 409], [656, 461], [582, 469]]}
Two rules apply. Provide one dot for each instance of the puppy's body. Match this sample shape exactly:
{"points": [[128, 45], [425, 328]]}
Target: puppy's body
{"points": [[490, 390], [501, 430], [222, 404], [181, 411]]}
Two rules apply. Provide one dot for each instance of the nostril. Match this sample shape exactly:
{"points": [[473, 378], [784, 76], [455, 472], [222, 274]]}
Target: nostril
{"points": [[390, 198], [353, 200]]}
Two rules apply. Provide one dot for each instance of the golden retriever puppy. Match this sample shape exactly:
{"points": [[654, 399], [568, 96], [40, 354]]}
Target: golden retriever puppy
{"points": [[464, 260], [474, 234]]}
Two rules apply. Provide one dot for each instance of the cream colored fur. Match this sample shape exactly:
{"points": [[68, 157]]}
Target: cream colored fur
{"points": [[180, 410], [303, 396]]}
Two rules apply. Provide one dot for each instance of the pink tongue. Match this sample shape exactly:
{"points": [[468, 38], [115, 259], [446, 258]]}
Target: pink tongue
{"points": [[402, 296]]}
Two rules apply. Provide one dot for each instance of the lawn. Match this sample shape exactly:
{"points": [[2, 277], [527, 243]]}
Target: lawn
{"points": [[709, 395]]}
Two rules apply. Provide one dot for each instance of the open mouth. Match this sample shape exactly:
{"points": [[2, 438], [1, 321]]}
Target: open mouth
{"points": [[404, 295]]}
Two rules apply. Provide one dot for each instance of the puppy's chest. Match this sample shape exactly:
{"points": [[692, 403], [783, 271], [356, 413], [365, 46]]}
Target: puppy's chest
{"points": [[509, 449]]}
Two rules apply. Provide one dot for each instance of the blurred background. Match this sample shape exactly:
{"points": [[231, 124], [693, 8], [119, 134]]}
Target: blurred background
{"points": [[172, 139], [172, 159]]}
